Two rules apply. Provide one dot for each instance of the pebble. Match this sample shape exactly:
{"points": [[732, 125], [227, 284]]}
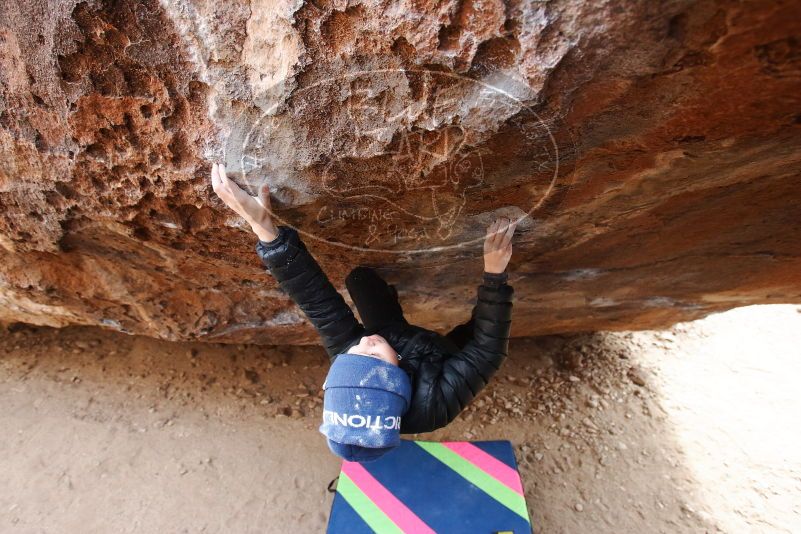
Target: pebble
{"points": [[579, 507], [589, 424], [636, 376]]}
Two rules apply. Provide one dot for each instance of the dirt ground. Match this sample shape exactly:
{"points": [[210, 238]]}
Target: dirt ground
{"points": [[694, 429]]}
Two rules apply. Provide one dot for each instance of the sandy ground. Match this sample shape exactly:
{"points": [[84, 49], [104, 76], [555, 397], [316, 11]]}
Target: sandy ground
{"points": [[689, 430]]}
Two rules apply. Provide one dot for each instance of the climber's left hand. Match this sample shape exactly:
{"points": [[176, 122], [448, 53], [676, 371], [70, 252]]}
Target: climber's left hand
{"points": [[255, 210]]}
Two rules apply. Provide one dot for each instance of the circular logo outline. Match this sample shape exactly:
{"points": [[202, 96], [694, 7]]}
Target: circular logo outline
{"points": [[438, 248]]}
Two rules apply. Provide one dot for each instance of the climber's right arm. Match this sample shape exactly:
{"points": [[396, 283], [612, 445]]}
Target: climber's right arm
{"points": [[464, 374]]}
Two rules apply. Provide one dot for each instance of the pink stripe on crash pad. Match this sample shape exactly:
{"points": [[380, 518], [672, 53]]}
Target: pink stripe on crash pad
{"points": [[398, 512], [506, 475]]}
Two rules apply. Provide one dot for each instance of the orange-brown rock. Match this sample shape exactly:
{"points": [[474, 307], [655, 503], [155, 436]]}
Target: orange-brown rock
{"points": [[651, 150]]}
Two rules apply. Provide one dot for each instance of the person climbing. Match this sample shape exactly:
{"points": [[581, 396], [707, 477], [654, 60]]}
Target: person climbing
{"points": [[387, 376]]}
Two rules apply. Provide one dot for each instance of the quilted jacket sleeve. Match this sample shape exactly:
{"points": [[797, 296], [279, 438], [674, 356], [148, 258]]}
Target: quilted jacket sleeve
{"points": [[300, 276], [465, 374]]}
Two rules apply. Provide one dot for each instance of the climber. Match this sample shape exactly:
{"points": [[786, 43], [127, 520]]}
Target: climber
{"points": [[387, 376]]}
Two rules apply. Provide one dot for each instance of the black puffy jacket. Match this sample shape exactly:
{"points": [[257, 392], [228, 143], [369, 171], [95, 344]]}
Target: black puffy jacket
{"points": [[444, 377]]}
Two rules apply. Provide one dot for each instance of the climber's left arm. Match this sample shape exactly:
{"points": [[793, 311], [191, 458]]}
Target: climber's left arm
{"points": [[301, 277], [296, 271]]}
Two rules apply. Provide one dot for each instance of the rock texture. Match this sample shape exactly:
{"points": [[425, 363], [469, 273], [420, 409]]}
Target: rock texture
{"points": [[652, 151]]}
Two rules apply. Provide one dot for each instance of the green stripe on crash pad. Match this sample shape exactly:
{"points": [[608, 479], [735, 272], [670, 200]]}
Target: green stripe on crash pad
{"points": [[478, 477], [362, 505]]}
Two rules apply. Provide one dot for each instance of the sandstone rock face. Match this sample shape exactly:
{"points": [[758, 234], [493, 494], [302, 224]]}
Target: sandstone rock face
{"points": [[650, 150]]}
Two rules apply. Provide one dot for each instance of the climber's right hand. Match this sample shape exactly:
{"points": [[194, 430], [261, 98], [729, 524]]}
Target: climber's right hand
{"points": [[255, 210], [498, 245]]}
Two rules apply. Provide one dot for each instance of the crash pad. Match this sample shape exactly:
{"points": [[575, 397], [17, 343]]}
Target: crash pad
{"points": [[423, 487]]}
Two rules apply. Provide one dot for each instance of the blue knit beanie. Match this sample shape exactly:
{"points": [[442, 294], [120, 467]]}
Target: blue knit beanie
{"points": [[364, 400]]}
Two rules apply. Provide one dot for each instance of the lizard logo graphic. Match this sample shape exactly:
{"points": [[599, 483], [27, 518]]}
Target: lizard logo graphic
{"points": [[410, 154]]}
